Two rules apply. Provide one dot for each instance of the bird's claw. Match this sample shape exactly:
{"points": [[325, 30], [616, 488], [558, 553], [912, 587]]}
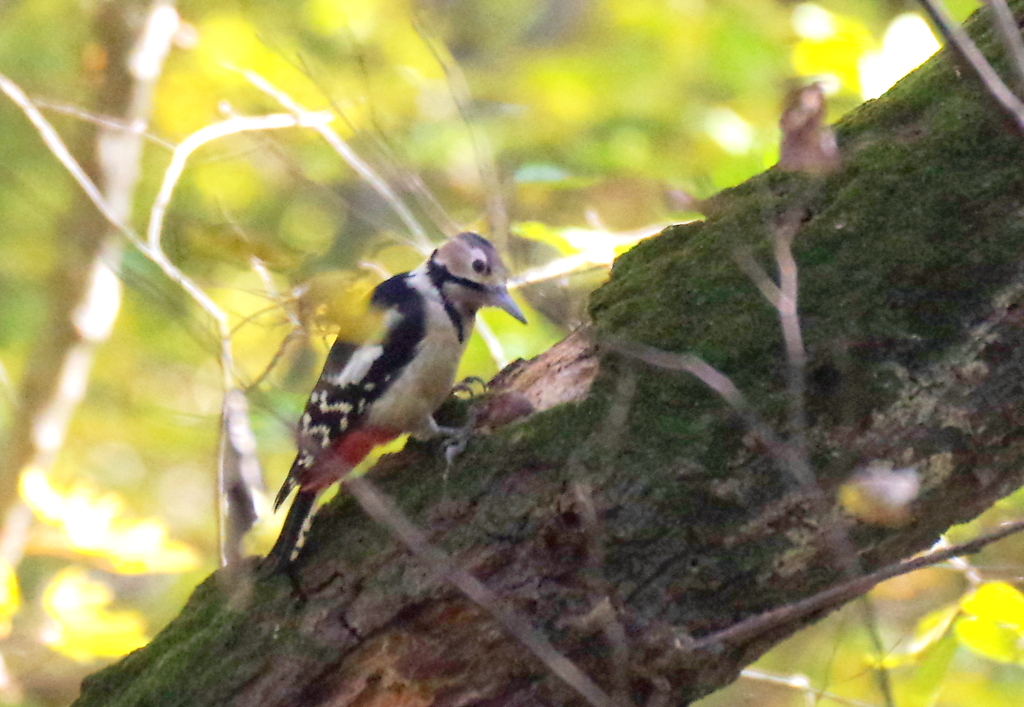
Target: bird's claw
{"points": [[456, 439], [453, 447]]}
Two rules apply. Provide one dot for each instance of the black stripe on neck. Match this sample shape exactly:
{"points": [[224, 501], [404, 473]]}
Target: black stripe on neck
{"points": [[439, 275]]}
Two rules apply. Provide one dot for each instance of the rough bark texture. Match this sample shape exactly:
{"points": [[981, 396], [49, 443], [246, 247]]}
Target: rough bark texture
{"points": [[911, 294]]}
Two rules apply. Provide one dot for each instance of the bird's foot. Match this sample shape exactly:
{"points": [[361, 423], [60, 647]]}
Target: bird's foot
{"points": [[455, 439]]}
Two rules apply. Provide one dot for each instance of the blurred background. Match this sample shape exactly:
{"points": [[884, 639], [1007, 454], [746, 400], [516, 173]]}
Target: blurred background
{"points": [[566, 130]]}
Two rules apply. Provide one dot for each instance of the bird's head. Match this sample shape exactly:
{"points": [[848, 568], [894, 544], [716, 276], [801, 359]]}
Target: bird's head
{"points": [[469, 268]]}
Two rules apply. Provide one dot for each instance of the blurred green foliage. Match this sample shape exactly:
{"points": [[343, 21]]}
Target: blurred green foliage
{"points": [[593, 120]]}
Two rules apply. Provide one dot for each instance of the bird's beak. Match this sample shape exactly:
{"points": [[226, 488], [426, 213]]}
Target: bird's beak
{"points": [[503, 300]]}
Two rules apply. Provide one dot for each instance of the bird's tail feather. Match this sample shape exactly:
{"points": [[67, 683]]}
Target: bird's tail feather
{"points": [[286, 488], [288, 542]]}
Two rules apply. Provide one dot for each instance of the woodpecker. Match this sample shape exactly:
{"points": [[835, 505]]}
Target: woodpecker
{"points": [[393, 384]]}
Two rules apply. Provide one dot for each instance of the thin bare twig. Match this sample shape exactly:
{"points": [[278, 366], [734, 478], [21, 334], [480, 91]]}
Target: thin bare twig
{"points": [[957, 38], [1009, 33], [801, 683], [789, 317], [783, 297], [458, 87], [103, 121], [87, 306], [280, 303], [152, 247], [586, 259], [836, 595], [56, 145], [493, 343], [785, 454], [878, 669], [604, 613], [237, 471], [962, 565], [757, 274], [386, 153], [379, 507], [239, 476], [231, 126], [6, 389], [361, 167]]}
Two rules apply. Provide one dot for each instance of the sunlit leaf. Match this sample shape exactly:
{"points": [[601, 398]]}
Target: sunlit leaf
{"points": [[930, 673], [988, 638], [83, 627], [329, 17], [10, 597], [932, 627], [561, 93], [583, 248], [998, 602], [95, 523], [729, 130], [994, 622], [830, 45], [538, 231], [907, 44]]}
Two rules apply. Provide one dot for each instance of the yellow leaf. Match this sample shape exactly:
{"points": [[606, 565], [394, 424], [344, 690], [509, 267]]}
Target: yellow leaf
{"points": [[94, 523], [932, 670], [830, 45], [537, 231], [10, 597], [907, 44], [988, 639], [932, 627], [83, 627], [998, 602]]}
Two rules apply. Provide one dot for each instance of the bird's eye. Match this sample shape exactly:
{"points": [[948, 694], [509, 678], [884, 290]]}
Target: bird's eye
{"points": [[479, 266]]}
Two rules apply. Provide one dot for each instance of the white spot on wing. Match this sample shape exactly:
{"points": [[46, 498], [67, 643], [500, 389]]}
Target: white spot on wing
{"points": [[359, 365], [342, 406], [321, 431]]}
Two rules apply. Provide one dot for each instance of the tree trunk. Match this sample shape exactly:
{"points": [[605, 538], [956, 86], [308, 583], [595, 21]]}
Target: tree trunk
{"points": [[643, 491]]}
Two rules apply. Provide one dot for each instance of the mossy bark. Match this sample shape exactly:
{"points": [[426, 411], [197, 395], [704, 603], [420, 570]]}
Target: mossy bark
{"points": [[910, 291]]}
